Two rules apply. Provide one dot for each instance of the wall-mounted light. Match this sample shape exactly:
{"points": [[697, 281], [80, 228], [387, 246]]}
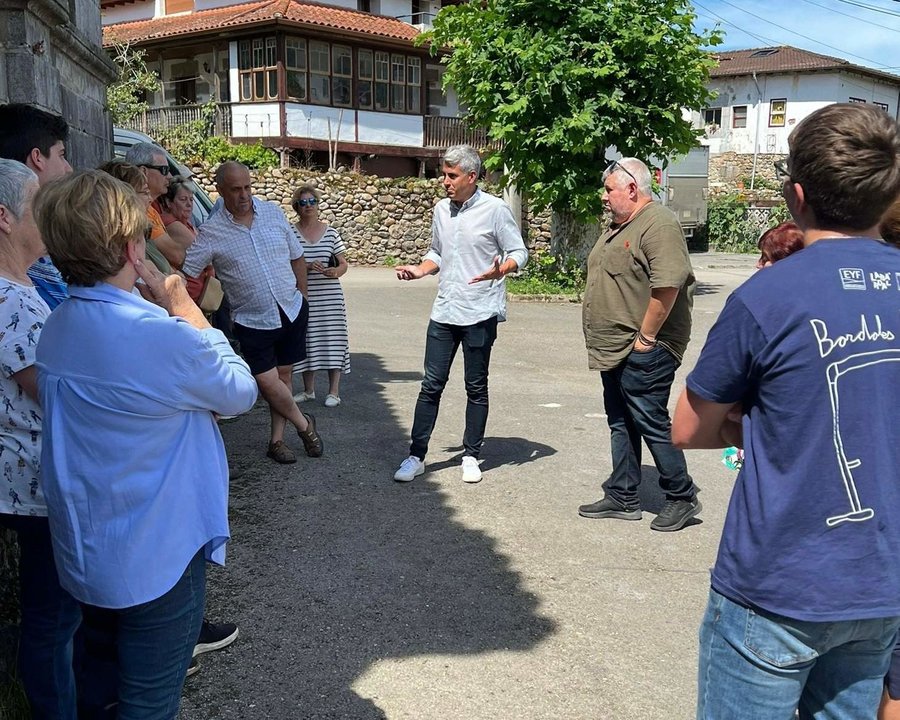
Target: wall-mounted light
{"points": [[38, 48]]}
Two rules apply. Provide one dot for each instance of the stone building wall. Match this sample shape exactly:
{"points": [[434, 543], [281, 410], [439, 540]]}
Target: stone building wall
{"points": [[730, 171], [383, 221]]}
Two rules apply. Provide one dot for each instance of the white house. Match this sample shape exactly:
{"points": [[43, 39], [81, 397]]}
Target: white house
{"points": [[300, 75], [761, 95]]}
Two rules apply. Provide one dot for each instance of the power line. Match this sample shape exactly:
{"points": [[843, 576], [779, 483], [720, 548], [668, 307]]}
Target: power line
{"points": [[872, 8], [807, 37], [854, 17], [759, 38]]}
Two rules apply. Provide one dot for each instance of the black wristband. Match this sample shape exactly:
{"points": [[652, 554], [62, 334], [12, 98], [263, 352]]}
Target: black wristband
{"points": [[645, 340]]}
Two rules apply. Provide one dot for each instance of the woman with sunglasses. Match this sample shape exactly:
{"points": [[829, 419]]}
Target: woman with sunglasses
{"points": [[327, 344]]}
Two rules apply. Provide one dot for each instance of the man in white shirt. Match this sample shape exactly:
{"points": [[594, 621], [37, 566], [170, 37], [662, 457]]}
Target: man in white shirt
{"points": [[471, 231], [259, 261]]}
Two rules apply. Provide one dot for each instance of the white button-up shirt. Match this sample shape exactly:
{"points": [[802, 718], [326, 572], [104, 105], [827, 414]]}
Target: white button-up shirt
{"points": [[253, 264], [464, 242]]}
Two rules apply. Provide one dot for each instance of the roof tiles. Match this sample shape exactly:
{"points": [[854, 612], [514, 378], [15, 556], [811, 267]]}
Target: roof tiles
{"points": [[257, 13], [784, 59]]}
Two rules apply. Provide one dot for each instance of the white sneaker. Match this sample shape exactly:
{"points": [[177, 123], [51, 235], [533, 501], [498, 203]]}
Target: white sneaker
{"points": [[304, 396], [332, 400], [471, 471], [410, 468]]}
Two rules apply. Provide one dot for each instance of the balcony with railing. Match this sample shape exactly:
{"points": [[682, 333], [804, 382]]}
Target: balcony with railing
{"points": [[156, 119], [439, 132], [442, 132]]}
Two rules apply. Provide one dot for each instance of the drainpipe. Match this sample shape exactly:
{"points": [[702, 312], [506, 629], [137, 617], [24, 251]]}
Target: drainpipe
{"points": [[756, 138]]}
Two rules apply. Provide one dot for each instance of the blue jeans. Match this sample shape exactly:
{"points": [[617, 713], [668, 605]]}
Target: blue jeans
{"points": [[636, 398], [756, 665], [144, 650], [50, 617], [441, 345]]}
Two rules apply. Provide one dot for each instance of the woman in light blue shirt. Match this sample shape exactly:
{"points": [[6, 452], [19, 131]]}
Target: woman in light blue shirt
{"points": [[135, 472]]}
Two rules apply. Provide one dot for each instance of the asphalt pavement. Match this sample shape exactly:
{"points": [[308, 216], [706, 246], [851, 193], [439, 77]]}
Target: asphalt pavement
{"points": [[358, 597]]}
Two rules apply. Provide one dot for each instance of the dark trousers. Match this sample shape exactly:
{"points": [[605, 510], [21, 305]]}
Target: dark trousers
{"points": [[636, 397], [441, 345], [50, 617], [143, 652]]}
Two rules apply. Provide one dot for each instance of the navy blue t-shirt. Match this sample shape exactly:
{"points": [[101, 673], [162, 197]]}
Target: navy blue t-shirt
{"points": [[811, 347]]}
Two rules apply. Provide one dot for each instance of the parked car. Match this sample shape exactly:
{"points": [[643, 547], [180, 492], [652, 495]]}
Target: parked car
{"points": [[203, 204]]}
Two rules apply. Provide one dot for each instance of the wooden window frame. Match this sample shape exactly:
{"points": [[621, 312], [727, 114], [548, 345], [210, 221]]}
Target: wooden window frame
{"points": [[254, 54], [734, 116]]}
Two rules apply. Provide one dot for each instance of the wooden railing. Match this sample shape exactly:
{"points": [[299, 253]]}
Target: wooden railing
{"points": [[442, 132], [164, 118]]}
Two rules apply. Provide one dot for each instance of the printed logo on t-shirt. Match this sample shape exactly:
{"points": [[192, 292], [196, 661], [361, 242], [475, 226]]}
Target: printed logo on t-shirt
{"points": [[880, 281], [853, 279], [897, 278]]}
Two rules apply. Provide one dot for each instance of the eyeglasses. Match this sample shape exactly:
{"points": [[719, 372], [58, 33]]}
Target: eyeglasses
{"points": [[782, 170], [616, 164], [161, 169], [307, 202]]}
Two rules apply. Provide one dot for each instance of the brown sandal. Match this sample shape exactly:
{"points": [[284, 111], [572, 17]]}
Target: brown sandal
{"points": [[281, 453], [312, 441]]}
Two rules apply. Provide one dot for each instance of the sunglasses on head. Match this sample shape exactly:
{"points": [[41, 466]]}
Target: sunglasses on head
{"points": [[307, 202], [614, 165], [161, 169]]}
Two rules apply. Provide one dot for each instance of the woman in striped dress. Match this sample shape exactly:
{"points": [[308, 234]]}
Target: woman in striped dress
{"points": [[327, 344]]}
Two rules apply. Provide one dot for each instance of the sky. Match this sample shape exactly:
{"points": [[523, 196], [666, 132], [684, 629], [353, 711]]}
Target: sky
{"points": [[865, 32]]}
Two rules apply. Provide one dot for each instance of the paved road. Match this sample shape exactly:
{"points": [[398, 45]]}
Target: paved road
{"points": [[361, 598]]}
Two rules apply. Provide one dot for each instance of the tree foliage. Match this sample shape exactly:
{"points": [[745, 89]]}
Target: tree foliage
{"points": [[125, 97], [560, 81]]}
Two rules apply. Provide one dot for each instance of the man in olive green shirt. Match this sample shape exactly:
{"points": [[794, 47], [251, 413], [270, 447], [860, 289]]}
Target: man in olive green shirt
{"points": [[637, 324]]}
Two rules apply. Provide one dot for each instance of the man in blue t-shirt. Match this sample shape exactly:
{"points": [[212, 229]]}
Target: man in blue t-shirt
{"points": [[802, 369]]}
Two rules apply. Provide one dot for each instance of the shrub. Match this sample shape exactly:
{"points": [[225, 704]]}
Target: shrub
{"points": [[729, 228], [548, 274]]}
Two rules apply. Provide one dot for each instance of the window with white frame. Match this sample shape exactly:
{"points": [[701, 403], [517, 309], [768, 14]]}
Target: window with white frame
{"points": [[777, 112], [295, 67], [413, 84], [881, 106], [382, 81], [398, 83], [365, 60], [319, 72], [712, 116], [257, 69], [342, 75]]}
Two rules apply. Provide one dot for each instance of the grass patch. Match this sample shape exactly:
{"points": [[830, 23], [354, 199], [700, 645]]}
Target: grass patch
{"points": [[540, 286]]}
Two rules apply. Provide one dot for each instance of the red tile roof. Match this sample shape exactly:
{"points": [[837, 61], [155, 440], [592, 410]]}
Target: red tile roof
{"points": [[262, 12], [785, 59]]}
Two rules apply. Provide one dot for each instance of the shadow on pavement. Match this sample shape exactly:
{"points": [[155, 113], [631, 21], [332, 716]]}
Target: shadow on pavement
{"points": [[499, 451], [333, 567]]}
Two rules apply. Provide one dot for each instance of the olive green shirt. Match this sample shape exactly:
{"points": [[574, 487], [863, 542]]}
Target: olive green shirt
{"points": [[628, 260]]}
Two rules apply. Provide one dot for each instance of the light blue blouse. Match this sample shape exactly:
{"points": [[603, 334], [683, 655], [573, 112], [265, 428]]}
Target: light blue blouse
{"points": [[134, 468]]}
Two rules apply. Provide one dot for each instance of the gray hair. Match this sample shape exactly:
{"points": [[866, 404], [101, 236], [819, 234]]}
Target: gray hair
{"points": [[15, 181], [223, 169], [640, 174], [465, 157], [142, 153]]}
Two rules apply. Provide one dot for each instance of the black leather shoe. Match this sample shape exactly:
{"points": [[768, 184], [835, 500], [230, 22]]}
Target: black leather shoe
{"points": [[609, 508], [676, 514]]}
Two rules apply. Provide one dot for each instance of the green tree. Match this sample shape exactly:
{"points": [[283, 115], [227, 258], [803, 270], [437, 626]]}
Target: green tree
{"points": [[125, 97], [560, 81]]}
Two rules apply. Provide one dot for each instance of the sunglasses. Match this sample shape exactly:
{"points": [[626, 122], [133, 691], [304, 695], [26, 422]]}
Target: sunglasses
{"points": [[308, 202], [782, 171], [161, 169], [616, 164]]}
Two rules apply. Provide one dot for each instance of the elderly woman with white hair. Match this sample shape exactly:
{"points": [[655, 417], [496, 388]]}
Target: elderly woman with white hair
{"points": [[134, 465], [50, 615]]}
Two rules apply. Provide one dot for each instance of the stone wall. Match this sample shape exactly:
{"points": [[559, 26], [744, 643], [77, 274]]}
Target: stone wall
{"points": [[731, 172], [383, 221]]}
